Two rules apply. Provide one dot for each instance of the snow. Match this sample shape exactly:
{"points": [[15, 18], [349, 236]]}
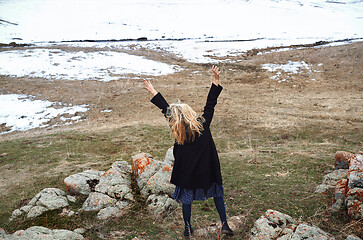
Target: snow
{"points": [[290, 67], [272, 22], [58, 64], [22, 112]]}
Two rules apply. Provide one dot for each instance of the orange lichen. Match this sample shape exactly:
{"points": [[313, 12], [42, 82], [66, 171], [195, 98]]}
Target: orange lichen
{"points": [[139, 165], [167, 168]]}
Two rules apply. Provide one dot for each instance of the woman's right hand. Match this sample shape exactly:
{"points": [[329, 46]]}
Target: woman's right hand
{"points": [[149, 87], [216, 72]]}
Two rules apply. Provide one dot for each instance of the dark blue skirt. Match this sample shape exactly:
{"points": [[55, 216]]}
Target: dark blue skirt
{"points": [[187, 196]]}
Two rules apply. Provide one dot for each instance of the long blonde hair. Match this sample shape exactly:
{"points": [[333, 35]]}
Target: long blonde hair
{"points": [[184, 122]]}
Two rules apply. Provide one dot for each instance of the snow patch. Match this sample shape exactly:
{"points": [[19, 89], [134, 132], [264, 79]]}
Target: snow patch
{"points": [[58, 64], [22, 112]]}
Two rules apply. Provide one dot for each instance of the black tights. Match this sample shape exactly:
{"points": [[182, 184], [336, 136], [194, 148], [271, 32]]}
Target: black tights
{"points": [[218, 202]]}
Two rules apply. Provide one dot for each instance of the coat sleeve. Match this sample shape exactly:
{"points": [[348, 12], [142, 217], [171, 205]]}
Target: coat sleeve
{"points": [[211, 102], [160, 102]]}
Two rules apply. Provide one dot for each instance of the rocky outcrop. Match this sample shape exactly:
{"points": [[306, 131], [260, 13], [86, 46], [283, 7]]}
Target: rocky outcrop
{"points": [[46, 200], [347, 183], [41, 233], [274, 225], [153, 179]]}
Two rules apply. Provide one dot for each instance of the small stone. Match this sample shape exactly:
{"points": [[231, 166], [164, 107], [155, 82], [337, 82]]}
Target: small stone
{"points": [[352, 237], [3, 155], [79, 230], [16, 213], [71, 198]]}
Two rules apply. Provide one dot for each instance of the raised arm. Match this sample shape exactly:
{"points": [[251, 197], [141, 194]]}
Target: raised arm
{"points": [[213, 94], [149, 87], [157, 99]]}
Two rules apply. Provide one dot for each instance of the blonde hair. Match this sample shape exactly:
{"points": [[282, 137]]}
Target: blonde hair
{"points": [[184, 122]]}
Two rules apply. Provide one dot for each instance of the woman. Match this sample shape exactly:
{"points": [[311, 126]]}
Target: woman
{"points": [[196, 171]]}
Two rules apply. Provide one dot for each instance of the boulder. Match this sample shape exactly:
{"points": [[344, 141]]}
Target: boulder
{"points": [[161, 205], [116, 211], [279, 226], [46, 200], [272, 225], [354, 203], [159, 183], [342, 159], [96, 201], [169, 157], [304, 231], [116, 182], [355, 175], [82, 183], [331, 180], [143, 168], [40, 233]]}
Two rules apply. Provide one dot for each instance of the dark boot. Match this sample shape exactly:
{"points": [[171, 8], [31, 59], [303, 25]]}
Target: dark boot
{"points": [[227, 230], [188, 231]]}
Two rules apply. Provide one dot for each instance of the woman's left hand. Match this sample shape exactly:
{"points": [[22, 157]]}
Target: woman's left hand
{"points": [[149, 87]]}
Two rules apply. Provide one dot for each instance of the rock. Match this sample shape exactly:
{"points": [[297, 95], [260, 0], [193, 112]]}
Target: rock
{"points": [[304, 231], [352, 237], [16, 213], [323, 188], [96, 201], [271, 225], [161, 205], [143, 167], [280, 219], [355, 175], [341, 189], [82, 183], [36, 211], [235, 222], [115, 182], [46, 200], [71, 198], [52, 198], [123, 166], [354, 203], [3, 155], [169, 157], [332, 178], [263, 230], [79, 230], [159, 183], [112, 212], [342, 159], [66, 213], [41, 233], [340, 194]]}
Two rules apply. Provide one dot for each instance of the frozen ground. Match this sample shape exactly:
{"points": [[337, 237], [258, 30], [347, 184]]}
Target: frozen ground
{"points": [[21, 113], [58, 64]]}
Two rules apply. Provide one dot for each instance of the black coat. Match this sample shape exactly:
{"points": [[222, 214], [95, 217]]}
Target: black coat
{"points": [[196, 163]]}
